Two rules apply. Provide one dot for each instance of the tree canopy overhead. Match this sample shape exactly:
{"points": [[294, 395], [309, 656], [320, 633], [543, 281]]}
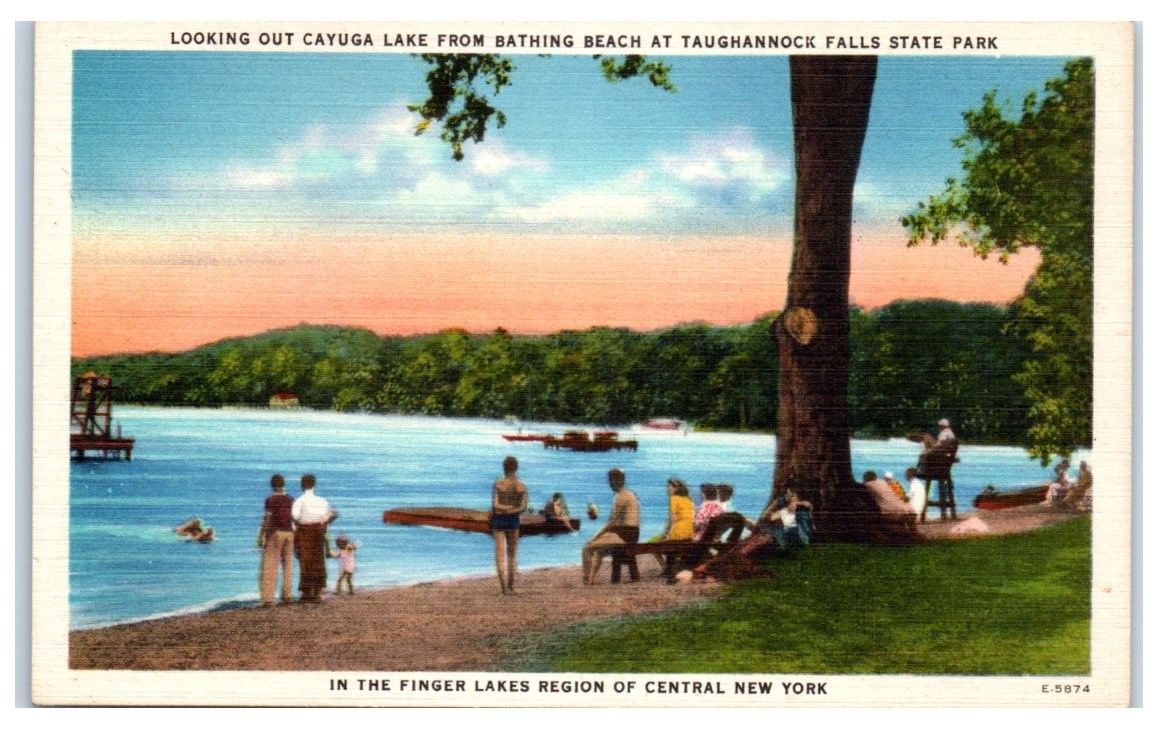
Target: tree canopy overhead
{"points": [[459, 85], [1029, 181]]}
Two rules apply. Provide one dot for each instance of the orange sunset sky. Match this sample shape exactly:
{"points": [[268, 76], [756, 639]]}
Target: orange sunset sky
{"points": [[172, 301]]}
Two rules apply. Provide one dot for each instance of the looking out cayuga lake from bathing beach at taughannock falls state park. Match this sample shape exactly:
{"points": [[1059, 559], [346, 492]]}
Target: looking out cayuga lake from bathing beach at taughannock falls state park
{"points": [[126, 563]]}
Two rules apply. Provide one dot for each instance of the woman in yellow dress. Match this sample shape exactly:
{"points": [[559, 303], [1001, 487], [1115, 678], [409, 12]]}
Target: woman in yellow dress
{"points": [[680, 511]]}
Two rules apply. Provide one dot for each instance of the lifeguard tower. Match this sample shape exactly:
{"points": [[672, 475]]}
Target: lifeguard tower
{"points": [[91, 421], [937, 465]]}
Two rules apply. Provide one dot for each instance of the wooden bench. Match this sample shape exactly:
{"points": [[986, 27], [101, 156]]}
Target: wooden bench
{"points": [[685, 553]]}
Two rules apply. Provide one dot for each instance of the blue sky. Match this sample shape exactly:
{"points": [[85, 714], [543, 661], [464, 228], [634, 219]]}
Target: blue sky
{"points": [[199, 140]]}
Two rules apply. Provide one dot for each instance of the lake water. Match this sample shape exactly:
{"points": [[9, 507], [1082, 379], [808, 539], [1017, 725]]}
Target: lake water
{"points": [[127, 564]]}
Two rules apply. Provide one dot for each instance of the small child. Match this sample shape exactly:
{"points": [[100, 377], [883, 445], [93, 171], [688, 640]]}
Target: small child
{"points": [[345, 555]]}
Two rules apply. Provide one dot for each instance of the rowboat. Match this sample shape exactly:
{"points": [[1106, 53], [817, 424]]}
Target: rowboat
{"points": [[473, 520], [522, 438], [991, 500]]}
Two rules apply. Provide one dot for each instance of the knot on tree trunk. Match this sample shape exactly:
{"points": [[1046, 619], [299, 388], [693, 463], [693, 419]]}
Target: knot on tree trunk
{"points": [[801, 324]]}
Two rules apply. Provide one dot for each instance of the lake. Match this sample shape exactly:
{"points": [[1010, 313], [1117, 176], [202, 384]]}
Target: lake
{"points": [[127, 564]]}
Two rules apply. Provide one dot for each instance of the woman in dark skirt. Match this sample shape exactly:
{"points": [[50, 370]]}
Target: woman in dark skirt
{"points": [[508, 501]]}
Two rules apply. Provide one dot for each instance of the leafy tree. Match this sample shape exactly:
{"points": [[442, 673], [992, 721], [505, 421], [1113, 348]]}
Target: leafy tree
{"points": [[830, 103], [1029, 182]]}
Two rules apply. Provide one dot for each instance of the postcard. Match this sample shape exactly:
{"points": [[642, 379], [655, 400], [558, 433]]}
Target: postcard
{"points": [[601, 364]]}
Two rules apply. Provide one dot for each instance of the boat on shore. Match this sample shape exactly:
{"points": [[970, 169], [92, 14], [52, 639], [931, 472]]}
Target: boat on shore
{"points": [[579, 440], [475, 520], [992, 500]]}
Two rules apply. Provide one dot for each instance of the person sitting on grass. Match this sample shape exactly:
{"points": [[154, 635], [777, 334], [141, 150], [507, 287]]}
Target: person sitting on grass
{"points": [[787, 520], [892, 507], [896, 486], [1080, 497], [1061, 485], [916, 492]]}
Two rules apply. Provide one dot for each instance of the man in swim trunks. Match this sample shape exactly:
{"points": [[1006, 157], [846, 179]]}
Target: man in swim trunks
{"points": [[508, 501]]}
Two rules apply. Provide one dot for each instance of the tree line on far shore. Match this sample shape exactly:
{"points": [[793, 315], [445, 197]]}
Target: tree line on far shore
{"points": [[913, 362]]}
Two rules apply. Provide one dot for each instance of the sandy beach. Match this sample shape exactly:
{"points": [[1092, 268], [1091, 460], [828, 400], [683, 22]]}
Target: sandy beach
{"points": [[454, 625]]}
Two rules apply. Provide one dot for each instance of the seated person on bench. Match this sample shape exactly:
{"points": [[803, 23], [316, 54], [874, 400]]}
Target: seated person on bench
{"points": [[679, 522]]}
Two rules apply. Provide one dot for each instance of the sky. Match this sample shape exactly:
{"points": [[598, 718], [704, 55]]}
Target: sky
{"points": [[224, 194]]}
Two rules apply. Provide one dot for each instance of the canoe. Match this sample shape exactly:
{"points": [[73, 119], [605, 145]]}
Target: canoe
{"points": [[472, 520], [992, 500], [520, 438]]}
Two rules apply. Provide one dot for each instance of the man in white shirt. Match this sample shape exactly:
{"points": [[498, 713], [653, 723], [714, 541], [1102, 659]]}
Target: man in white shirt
{"points": [[312, 514], [916, 492], [946, 433]]}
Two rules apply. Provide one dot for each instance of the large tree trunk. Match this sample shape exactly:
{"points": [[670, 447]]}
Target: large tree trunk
{"points": [[830, 108]]}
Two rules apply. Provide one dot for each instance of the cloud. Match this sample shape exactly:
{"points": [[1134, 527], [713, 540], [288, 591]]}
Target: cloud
{"points": [[727, 161], [720, 179], [380, 172], [493, 159], [382, 146]]}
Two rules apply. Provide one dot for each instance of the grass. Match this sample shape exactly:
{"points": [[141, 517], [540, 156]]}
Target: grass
{"points": [[1016, 605]]}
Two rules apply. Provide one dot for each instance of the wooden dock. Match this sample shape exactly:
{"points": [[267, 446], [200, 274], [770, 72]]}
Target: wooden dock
{"points": [[109, 449]]}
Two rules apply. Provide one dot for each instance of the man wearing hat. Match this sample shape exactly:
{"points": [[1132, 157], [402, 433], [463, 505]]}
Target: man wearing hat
{"points": [[946, 435], [312, 514], [276, 542]]}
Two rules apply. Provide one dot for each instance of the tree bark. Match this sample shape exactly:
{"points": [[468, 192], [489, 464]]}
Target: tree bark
{"points": [[831, 96]]}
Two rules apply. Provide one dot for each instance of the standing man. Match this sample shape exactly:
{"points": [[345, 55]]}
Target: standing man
{"points": [[622, 527], [312, 514], [276, 542]]}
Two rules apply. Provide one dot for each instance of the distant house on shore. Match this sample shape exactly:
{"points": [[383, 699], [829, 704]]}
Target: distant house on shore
{"points": [[283, 399]]}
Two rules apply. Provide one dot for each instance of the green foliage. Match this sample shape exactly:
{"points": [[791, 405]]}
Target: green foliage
{"points": [[457, 102], [1029, 182], [459, 83], [912, 363], [657, 72], [1015, 605]]}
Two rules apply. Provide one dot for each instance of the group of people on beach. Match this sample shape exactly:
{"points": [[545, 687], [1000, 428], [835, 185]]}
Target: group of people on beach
{"points": [[904, 503], [297, 527], [787, 522]]}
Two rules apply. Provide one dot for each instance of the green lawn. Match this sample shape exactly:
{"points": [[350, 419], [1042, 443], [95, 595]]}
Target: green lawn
{"points": [[1017, 605]]}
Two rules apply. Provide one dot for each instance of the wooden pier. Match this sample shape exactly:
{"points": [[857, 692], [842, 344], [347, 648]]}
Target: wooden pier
{"points": [[91, 421], [109, 449]]}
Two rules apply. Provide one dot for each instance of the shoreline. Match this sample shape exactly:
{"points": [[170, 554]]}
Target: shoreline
{"points": [[456, 624], [634, 427], [450, 624]]}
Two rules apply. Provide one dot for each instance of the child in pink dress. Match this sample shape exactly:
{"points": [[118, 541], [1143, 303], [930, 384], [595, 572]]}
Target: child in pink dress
{"points": [[345, 555]]}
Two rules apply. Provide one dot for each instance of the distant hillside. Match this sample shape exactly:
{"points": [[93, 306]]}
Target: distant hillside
{"points": [[913, 362]]}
